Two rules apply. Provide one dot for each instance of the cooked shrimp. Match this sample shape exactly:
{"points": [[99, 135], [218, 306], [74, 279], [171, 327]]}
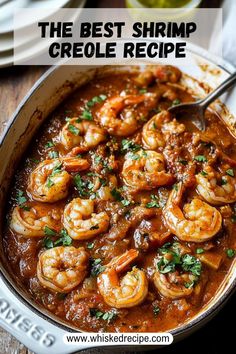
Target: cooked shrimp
{"points": [[50, 181], [31, 223], [163, 73], [104, 191], [156, 131], [118, 119], [131, 290], [167, 73], [81, 222], [172, 285], [145, 170], [61, 269], [198, 222], [213, 192], [81, 134]]}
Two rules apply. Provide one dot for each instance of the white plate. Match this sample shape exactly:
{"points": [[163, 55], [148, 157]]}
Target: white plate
{"points": [[7, 11], [6, 57], [7, 39]]}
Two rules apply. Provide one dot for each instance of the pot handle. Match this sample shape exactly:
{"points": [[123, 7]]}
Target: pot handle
{"points": [[34, 331]]}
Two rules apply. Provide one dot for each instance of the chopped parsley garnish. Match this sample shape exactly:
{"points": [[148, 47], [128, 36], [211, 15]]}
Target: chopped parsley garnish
{"points": [[175, 187], [96, 99], [171, 260], [116, 194], [125, 202], [49, 144], [49, 232], [96, 267], [154, 202], [86, 115], [97, 159], [204, 173], [176, 102], [63, 239], [90, 245], [200, 250], [56, 170], [200, 158], [230, 172], [48, 242], [189, 284], [53, 154], [81, 185], [106, 316], [73, 129], [143, 90], [156, 310], [20, 198], [223, 181], [191, 264], [129, 145], [230, 253]]}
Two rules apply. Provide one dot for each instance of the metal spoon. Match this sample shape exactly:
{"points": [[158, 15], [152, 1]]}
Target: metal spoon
{"points": [[196, 110]]}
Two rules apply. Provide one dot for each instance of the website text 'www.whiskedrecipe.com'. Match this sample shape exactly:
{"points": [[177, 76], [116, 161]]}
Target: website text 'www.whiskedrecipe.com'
{"points": [[106, 339]]}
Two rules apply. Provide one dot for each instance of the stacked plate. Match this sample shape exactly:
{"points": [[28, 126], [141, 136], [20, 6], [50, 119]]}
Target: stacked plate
{"points": [[7, 8]]}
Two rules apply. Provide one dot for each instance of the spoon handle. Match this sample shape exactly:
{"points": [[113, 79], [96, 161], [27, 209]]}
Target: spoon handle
{"points": [[219, 91]]}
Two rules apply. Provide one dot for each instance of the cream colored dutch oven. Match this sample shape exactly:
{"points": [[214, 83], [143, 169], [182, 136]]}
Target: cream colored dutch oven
{"points": [[33, 325]]}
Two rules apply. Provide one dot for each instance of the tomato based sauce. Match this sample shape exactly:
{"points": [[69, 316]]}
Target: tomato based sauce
{"points": [[121, 217]]}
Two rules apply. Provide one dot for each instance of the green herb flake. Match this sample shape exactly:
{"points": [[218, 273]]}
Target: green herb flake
{"points": [[80, 185], [200, 250], [223, 181], [86, 115], [154, 202], [204, 173], [125, 202], [20, 198], [96, 99], [90, 245], [143, 90], [97, 159], [200, 158], [25, 207], [230, 172], [47, 242], [230, 253], [49, 232], [156, 310], [49, 144], [106, 316], [64, 239], [49, 183], [53, 154], [191, 264], [96, 267], [176, 102], [129, 145], [189, 285], [116, 194], [73, 129]]}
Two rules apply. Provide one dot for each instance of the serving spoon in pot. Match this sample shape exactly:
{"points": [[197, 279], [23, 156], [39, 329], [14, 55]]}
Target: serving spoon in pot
{"points": [[196, 110]]}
